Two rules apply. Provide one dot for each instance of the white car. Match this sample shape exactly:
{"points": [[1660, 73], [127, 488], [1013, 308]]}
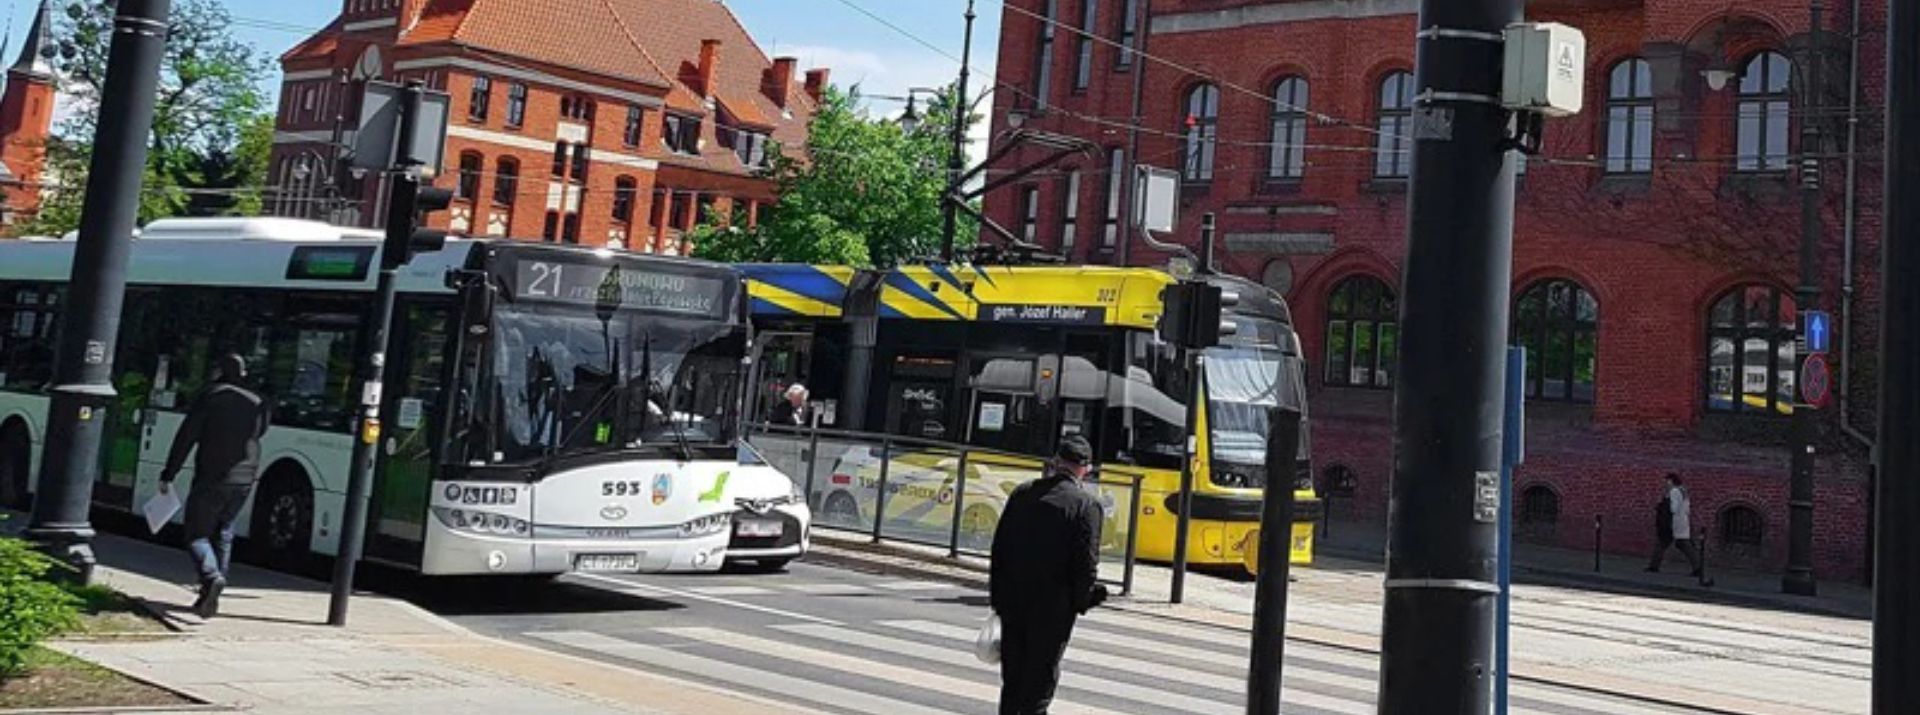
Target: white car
{"points": [[772, 525]]}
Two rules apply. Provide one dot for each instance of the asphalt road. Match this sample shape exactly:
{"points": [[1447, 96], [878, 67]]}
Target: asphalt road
{"points": [[829, 640]]}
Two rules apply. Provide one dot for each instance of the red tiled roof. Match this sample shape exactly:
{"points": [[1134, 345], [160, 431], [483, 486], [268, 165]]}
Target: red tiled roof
{"points": [[321, 45], [583, 34]]}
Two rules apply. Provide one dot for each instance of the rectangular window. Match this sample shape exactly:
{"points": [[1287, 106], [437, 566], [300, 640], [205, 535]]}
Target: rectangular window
{"points": [[1083, 59], [481, 97], [682, 134], [570, 231], [1129, 18], [636, 118], [677, 213], [1030, 213], [1070, 212], [1116, 178], [582, 158], [560, 160], [1043, 75], [551, 229], [506, 182], [516, 105]]}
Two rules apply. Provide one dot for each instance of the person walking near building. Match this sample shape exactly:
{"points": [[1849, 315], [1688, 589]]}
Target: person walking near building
{"points": [[1044, 575], [1673, 525], [222, 429]]}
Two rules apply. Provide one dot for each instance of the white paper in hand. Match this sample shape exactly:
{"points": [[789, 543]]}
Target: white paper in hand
{"points": [[160, 509]]}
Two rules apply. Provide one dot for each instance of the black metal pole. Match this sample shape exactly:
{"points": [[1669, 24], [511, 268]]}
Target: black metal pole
{"points": [[1276, 559], [89, 325], [1437, 640], [957, 162], [1184, 520], [1896, 584], [1124, 232], [373, 367], [1799, 579]]}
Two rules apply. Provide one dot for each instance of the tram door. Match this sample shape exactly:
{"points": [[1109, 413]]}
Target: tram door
{"points": [[920, 397], [1084, 386]]}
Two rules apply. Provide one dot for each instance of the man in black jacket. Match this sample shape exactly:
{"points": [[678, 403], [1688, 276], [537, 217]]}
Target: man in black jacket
{"points": [[225, 423], [1046, 556]]}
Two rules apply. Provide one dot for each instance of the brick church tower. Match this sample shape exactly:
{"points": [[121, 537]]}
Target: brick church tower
{"points": [[26, 122]]}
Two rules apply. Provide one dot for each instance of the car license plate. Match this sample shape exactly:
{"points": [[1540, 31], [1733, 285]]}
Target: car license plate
{"points": [[625, 563], [759, 528]]}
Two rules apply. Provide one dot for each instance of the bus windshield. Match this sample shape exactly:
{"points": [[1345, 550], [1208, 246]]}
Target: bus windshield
{"points": [[569, 381]]}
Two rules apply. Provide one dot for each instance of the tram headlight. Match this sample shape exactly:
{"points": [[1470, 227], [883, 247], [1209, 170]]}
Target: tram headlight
{"points": [[706, 525]]}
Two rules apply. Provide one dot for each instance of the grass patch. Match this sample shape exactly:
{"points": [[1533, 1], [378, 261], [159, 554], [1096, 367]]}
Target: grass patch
{"points": [[55, 680], [106, 612]]}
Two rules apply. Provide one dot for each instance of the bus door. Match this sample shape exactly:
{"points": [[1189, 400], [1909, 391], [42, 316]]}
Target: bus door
{"points": [[417, 374], [141, 377]]}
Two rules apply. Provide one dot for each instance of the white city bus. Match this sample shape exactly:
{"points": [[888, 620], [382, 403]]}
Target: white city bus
{"points": [[547, 408]]}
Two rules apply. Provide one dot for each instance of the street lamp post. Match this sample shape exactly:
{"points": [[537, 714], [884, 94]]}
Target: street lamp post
{"points": [[1798, 579], [956, 163]]}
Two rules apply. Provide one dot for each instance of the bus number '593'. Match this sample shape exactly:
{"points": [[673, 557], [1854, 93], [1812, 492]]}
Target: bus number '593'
{"points": [[620, 489]]}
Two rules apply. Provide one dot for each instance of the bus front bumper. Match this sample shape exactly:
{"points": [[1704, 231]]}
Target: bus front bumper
{"points": [[450, 553]]}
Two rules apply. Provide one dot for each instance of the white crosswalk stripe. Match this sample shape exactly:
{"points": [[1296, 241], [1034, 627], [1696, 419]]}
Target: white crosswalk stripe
{"points": [[1117, 664], [731, 591]]}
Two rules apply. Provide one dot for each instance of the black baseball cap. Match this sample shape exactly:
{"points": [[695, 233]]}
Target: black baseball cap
{"points": [[1074, 448]]}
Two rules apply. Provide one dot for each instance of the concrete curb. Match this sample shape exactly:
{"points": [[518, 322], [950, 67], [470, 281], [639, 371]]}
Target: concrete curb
{"points": [[196, 702]]}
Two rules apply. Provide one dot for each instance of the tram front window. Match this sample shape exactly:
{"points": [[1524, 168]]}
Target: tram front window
{"points": [[1244, 383]]}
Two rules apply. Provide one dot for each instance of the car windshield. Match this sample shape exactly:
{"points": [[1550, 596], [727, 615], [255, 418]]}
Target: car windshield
{"points": [[567, 381]]}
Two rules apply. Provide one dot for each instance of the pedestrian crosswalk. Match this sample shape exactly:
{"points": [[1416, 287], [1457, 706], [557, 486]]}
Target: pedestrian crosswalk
{"points": [[1118, 664]]}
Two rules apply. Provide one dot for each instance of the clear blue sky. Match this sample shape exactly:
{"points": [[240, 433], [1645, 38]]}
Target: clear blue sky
{"points": [[819, 32]]}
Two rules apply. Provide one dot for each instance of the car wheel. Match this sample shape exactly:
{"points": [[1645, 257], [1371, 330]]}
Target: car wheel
{"points": [[976, 527], [282, 526], [13, 470], [841, 510]]}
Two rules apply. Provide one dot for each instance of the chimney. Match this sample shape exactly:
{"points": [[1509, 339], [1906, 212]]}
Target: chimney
{"points": [[779, 81], [817, 83], [709, 65]]}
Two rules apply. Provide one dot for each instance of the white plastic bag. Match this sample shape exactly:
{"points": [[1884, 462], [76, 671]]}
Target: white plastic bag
{"points": [[986, 647]]}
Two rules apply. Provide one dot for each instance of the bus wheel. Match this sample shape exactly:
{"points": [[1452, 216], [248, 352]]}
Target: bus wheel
{"points": [[841, 510], [282, 527], [13, 469], [976, 527]]}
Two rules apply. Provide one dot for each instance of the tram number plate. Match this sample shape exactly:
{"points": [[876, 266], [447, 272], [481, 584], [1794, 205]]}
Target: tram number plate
{"points": [[759, 528], [625, 563]]}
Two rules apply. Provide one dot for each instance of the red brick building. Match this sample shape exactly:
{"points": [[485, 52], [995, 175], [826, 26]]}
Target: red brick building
{"points": [[1656, 246], [26, 123], [600, 122]]}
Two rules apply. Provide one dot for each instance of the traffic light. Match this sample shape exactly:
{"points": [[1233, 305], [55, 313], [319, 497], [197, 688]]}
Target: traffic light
{"points": [[1193, 314], [407, 204]]}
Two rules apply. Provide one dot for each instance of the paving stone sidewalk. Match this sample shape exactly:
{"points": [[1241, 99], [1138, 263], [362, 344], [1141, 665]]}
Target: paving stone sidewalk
{"points": [[270, 652]]}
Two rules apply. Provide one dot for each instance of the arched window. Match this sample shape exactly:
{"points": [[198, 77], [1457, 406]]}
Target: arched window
{"points": [[1761, 128], [1363, 333], [471, 167], [1742, 526], [1338, 480], [1288, 158], [506, 181], [1539, 506], [1630, 118], [1393, 147], [1750, 351], [1557, 321], [624, 189], [1201, 124]]}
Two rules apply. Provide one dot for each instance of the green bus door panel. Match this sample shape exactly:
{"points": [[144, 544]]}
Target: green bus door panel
{"points": [[415, 383]]}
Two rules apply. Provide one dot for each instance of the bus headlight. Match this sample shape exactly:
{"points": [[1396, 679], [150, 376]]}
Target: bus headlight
{"points": [[483, 523], [706, 525]]}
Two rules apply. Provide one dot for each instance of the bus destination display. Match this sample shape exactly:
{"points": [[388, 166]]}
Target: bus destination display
{"points": [[330, 263], [619, 287]]}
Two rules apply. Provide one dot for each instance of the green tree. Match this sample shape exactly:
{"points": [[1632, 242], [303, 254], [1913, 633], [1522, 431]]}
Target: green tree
{"points": [[864, 192], [212, 132]]}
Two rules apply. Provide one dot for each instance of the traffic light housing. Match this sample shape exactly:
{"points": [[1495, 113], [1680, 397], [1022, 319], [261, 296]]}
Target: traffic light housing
{"points": [[1193, 314], [408, 203]]}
